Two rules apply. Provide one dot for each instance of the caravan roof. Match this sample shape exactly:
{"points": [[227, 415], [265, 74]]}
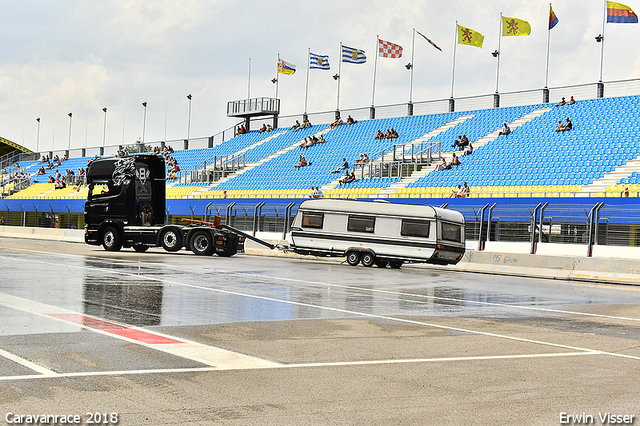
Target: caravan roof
{"points": [[381, 208]]}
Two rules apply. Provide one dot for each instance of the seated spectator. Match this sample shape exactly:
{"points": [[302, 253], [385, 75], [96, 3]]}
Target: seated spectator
{"points": [[269, 128], [350, 120], [319, 193], [347, 178], [241, 130], [344, 166], [43, 159], [321, 140], [359, 160], [560, 127], [379, 135], [394, 134], [468, 150], [303, 162], [172, 176], [59, 184], [306, 123], [40, 172], [295, 127], [66, 157], [4, 171], [313, 192], [456, 193], [263, 128], [505, 130], [465, 190], [442, 165], [562, 102], [336, 123], [455, 161], [387, 134], [626, 192], [572, 101], [569, 125], [81, 171], [303, 144], [175, 168]]}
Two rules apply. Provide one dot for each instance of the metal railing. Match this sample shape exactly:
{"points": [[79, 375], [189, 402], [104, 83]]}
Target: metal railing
{"points": [[215, 168]]}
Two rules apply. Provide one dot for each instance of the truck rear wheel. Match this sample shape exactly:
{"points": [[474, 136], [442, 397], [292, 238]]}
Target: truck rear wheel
{"points": [[368, 259], [353, 258], [171, 239], [201, 243], [111, 239]]}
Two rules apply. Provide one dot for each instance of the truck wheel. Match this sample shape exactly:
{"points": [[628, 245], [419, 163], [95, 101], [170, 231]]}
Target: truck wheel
{"points": [[171, 239], [396, 264], [111, 239], [368, 259], [381, 263], [140, 248], [201, 243], [353, 258]]}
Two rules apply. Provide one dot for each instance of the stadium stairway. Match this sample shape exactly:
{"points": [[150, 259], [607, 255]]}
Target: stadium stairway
{"points": [[251, 166], [477, 144], [610, 179]]}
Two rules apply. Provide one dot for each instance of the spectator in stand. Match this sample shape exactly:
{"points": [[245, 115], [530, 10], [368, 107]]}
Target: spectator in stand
{"points": [[66, 157], [626, 192], [348, 178], [241, 130], [269, 128], [505, 130], [306, 123], [394, 134], [303, 162], [40, 172], [51, 179], [561, 103], [321, 140], [224, 194], [442, 165], [560, 127], [336, 123], [379, 135], [569, 125], [172, 176], [263, 128], [468, 150], [350, 120], [465, 190], [455, 161], [572, 101], [456, 193], [295, 127], [344, 166], [319, 193]]}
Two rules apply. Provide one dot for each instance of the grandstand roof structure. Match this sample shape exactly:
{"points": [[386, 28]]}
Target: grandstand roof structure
{"points": [[7, 147]]}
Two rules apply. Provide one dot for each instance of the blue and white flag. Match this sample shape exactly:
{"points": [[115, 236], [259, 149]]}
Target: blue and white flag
{"points": [[353, 56], [318, 62]]}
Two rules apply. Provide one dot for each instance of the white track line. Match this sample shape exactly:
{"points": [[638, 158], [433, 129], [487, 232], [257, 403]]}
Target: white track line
{"points": [[28, 364], [349, 312], [308, 365]]}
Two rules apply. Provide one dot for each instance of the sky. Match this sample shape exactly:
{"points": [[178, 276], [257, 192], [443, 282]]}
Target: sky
{"points": [[80, 56]]}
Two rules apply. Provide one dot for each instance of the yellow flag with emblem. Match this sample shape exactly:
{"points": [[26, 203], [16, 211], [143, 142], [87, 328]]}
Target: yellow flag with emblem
{"points": [[515, 27], [469, 37]]}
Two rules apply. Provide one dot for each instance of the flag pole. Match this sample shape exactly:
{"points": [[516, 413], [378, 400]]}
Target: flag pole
{"points": [[546, 76], [277, 76], [339, 78], [306, 92], [375, 68], [249, 84], [604, 20], [413, 45], [499, 41], [455, 48]]}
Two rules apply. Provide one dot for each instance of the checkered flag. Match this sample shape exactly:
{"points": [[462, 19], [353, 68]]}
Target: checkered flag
{"points": [[386, 49]]}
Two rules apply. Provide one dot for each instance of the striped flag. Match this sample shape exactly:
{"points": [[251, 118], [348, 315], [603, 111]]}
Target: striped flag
{"points": [[430, 42], [386, 49], [618, 13], [553, 19], [353, 56], [318, 62]]}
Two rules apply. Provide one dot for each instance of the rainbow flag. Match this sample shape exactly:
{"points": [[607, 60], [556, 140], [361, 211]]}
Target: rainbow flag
{"points": [[618, 13], [553, 19]]}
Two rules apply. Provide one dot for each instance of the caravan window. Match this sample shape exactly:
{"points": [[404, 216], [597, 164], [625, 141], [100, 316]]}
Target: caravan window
{"points": [[312, 220], [361, 223], [451, 232], [415, 228]]}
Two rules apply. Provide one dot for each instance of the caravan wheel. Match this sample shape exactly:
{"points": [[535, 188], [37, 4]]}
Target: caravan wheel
{"points": [[353, 258], [368, 259]]}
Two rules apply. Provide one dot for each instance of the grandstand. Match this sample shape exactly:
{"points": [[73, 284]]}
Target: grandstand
{"points": [[572, 171]]}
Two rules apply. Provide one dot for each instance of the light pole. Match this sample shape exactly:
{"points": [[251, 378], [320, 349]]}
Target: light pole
{"points": [[104, 131], [38, 136], [69, 146], [189, 122], [144, 120]]}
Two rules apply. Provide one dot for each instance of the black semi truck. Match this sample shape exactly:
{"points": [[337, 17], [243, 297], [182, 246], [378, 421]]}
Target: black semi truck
{"points": [[125, 207]]}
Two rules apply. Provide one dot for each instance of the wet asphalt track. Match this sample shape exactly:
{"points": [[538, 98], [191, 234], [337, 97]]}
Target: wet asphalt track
{"points": [[164, 338]]}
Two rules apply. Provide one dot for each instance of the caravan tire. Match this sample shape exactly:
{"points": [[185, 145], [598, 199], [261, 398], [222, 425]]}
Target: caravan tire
{"points": [[368, 259], [353, 258]]}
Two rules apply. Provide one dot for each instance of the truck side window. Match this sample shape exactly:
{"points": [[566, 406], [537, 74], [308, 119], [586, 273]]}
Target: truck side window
{"points": [[415, 228], [98, 190], [361, 224], [312, 220]]}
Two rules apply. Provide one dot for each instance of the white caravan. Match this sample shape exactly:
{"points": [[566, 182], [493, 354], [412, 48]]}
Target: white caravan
{"points": [[378, 233]]}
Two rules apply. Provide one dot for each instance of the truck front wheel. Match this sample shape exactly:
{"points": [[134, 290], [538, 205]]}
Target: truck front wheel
{"points": [[111, 239], [201, 243], [171, 239]]}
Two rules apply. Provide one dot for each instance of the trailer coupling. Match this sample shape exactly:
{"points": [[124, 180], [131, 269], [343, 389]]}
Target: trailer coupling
{"points": [[216, 224]]}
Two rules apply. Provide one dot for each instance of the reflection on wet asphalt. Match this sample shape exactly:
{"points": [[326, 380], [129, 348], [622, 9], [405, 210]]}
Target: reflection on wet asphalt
{"points": [[188, 290]]}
